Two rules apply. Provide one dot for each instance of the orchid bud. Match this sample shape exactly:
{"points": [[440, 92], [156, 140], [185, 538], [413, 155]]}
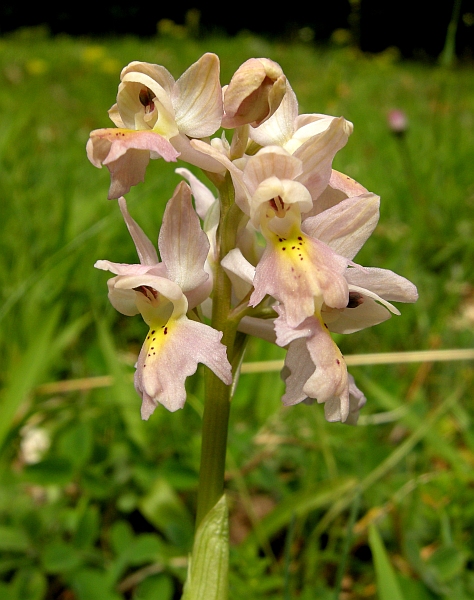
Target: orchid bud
{"points": [[254, 93]]}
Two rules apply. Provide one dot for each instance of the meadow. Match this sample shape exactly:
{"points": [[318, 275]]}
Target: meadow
{"points": [[94, 502]]}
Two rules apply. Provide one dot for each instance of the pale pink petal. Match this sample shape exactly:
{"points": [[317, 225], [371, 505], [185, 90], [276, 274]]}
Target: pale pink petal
{"points": [[297, 370], [190, 152], [158, 73], [350, 320], [197, 98], [172, 353], [203, 197], [241, 192], [122, 298], [305, 119], [303, 132], [318, 153], [254, 93], [289, 192], [126, 154], [347, 226], [115, 117], [124, 301], [335, 410], [122, 140], [182, 243], [272, 161], [314, 364], [384, 283], [357, 400], [122, 268], [366, 293], [350, 187], [299, 272], [315, 371], [240, 272], [261, 328], [145, 249], [279, 128], [340, 188], [235, 262], [156, 113], [329, 382]]}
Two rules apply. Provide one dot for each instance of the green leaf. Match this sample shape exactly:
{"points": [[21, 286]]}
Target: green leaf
{"points": [[87, 528], [121, 536], [25, 374], [146, 547], [75, 443], [59, 557], [51, 471], [13, 539], [122, 390], [165, 510], [388, 587], [92, 584], [28, 583], [208, 569], [447, 562], [6, 592], [299, 504], [154, 588], [414, 588]]}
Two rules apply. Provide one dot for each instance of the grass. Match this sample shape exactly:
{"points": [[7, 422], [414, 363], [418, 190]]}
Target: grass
{"points": [[104, 508]]}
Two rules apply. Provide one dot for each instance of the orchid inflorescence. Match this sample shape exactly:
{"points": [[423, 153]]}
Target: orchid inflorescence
{"points": [[277, 243]]}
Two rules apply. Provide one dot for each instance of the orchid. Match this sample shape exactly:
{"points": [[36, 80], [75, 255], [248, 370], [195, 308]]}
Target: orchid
{"points": [[163, 293], [155, 117], [271, 256], [318, 288], [254, 93]]}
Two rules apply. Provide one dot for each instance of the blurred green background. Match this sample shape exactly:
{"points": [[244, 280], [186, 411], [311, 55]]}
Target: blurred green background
{"points": [[95, 503]]}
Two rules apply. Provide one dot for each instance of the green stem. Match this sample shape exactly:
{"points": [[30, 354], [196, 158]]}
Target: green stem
{"points": [[217, 394]]}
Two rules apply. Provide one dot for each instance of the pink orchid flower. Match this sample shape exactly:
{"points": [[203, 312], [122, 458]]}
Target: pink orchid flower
{"points": [[164, 293], [254, 93], [155, 117], [324, 292]]}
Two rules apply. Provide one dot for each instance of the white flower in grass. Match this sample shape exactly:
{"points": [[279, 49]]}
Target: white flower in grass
{"points": [[163, 293]]}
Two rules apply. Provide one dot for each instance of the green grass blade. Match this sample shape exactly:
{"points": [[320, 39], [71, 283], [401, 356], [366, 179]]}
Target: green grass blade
{"points": [[26, 373], [387, 584]]}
